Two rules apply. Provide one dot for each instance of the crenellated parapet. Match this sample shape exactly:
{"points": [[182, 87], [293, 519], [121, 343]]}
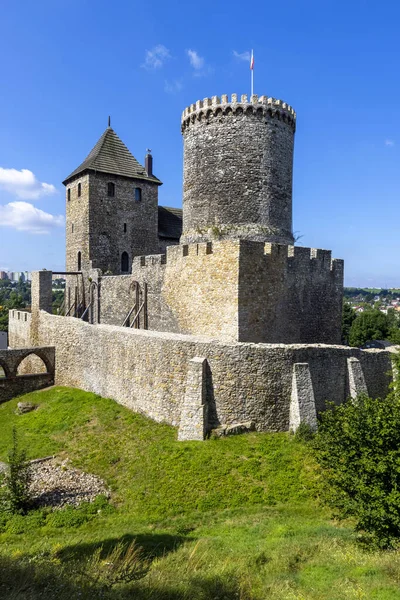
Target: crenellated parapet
{"points": [[246, 290], [294, 260], [265, 106]]}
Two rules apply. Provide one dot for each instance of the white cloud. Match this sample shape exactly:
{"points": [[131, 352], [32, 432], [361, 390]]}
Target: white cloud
{"points": [[156, 57], [24, 184], [389, 143], [242, 55], [173, 87], [23, 216], [196, 61]]}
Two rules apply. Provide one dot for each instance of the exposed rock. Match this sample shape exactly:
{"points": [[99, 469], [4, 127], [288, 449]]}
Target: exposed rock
{"points": [[234, 429], [25, 407]]}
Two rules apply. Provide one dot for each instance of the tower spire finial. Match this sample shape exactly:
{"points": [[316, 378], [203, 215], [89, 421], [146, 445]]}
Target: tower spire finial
{"points": [[109, 121]]}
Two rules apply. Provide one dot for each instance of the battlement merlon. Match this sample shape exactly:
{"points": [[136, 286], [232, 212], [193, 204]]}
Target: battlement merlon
{"points": [[255, 102]]}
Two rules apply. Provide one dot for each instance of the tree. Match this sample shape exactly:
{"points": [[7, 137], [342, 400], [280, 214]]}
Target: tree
{"points": [[369, 325], [348, 316]]}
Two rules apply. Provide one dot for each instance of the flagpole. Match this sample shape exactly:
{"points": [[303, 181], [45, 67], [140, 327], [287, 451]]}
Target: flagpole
{"points": [[252, 72]]}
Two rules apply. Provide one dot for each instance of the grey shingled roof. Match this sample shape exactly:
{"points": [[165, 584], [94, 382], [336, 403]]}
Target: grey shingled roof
{"points": [[110, 155], [169, 222]]}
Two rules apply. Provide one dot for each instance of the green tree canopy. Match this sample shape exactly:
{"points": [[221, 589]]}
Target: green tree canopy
{"points": [[369, 325], [348, 316]]}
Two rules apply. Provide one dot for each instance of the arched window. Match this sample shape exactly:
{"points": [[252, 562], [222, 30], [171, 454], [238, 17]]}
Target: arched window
{"points": [[124, 262], [111, 189], [79, 189], [138, 194], [79, 261]]}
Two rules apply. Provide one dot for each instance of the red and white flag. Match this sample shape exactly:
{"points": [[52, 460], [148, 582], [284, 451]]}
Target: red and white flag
{"points": [[252, 61]]}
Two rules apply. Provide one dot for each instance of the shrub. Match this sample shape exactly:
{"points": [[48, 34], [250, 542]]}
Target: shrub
{"points": [[17, 497], [358, 445]]}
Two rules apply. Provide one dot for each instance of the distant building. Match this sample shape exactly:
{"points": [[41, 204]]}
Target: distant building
{"points": [[3, 275]]}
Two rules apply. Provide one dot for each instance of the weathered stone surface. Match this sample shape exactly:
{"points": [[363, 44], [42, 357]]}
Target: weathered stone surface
{"points": [[34, 360], [302, 401], [25, 407], [147, 371], [237, 174], [235, 429], [246, 291], [356, 379], [193, 422]]}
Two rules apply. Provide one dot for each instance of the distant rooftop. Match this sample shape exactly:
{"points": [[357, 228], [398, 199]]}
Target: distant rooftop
{"points": [[110, 155]]}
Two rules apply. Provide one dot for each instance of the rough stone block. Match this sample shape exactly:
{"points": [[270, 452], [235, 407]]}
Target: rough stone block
{"points": [[302, 402], [193, 423], [42, 291], [356, 379]]}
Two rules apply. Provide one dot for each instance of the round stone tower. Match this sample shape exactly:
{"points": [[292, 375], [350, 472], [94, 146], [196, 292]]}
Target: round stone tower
{"points": [[237, 169]]}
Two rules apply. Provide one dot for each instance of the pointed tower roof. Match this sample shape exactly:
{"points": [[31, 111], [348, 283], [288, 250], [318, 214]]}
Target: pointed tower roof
{"points": [[110, 155]]}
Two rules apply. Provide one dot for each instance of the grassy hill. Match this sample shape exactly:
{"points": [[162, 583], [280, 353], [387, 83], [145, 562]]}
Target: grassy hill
{"points": [[227, 518]]}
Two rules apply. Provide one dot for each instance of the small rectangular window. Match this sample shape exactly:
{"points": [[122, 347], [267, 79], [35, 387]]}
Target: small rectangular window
{"points": [[124, 227], [138, 194], [111, 189], [79, 189], [69, 194], [72, 228]]}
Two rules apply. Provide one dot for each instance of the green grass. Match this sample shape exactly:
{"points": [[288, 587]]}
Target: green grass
{"points": [[227, 518]]}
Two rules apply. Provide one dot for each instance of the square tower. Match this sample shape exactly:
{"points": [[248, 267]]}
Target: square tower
{"points": [[111, 209]]}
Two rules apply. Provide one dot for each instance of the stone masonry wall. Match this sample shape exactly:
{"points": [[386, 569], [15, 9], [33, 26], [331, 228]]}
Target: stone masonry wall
{"points": [[77, 224], [109, 215], [95, 222], [147, 371], [194, 289], [19, 330], [245, 291], [289, 294], [238, 163], [116, 298], [14, 383]]}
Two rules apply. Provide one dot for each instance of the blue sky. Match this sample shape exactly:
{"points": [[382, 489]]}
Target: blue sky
{"points": [[67, 64]]}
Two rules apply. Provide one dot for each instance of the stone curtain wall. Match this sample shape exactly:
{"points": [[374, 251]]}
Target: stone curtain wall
{"points": [[15, 384], [151, 269], [19, 329], [148, 371], [238, 162]]}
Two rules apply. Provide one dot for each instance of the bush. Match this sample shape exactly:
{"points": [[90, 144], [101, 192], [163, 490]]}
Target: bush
{"points": [[17, 497], [358, 445]]}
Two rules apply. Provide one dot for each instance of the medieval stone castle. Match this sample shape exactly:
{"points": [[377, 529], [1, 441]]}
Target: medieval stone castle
{"points": [[207, 317]]}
